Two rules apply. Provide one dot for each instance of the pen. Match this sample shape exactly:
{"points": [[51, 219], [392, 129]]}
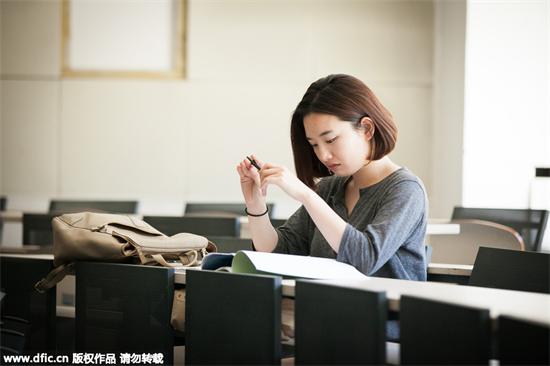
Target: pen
{"points": [[253, 162]]}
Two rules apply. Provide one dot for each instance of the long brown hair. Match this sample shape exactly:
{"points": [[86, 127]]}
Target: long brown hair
{"points": [[349, 99]]}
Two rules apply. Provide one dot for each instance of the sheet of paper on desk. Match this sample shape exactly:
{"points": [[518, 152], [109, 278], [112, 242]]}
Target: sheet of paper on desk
{"points": [[293, 266]]}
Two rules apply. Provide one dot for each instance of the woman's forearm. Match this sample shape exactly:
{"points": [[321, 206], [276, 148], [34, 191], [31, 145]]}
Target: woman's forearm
{"points": [[262, 232], [328, 222]]}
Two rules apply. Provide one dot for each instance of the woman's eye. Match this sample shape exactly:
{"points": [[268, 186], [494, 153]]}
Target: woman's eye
{"points": [[314, 146], [331, 140]]}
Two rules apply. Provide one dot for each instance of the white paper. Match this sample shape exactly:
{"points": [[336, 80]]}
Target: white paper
{"points": [[299, 266]]}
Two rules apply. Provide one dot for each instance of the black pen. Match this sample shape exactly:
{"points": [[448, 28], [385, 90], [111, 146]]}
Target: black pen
{"points": [[253, 162]]}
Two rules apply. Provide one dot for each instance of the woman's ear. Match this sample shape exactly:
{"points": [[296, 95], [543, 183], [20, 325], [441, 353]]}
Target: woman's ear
{"points": [[368, 127]]}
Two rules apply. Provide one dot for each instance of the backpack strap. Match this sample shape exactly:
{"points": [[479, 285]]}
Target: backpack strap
{"points": [[187, 259], [55, 275]]}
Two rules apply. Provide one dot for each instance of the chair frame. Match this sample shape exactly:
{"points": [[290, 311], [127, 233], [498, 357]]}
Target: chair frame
{"points": [[463, 248], [437, 333], [511, 270], [232, 319], [130, 303], [219, 209], [327, 334], [499, 215], [18, 277], [37, 222], [208, 226]]}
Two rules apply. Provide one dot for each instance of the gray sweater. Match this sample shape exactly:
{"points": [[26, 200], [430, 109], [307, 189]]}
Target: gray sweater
{"points": [[385, 232]]}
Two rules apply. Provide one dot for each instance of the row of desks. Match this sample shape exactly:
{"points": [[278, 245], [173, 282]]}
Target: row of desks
{"points": [[520, 304], [523, 305], [435, 226], [433, 268]]}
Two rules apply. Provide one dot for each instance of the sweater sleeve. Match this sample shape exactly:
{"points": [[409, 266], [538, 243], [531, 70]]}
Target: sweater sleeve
{"points": [[294, 235], [400, 213]]}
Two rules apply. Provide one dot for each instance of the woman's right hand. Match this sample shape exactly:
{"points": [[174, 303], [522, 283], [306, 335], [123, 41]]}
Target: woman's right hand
{"points": [[250, 185]]}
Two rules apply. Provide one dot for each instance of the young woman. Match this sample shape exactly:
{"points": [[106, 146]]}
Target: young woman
{"points": [[357, 205]]}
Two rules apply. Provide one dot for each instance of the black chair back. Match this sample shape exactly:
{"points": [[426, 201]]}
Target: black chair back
{"points": [[124, 308], [18, 277], [219, 209], [37, 229], [11, 342], [511, 270], [530, 224], [353, 335], [436, 333], [228, 244], [69, 206], [523, 343], [232, 319], [207, 226]]}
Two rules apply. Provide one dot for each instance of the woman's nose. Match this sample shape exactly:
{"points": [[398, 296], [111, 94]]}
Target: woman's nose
{"points": [[324, 155]]}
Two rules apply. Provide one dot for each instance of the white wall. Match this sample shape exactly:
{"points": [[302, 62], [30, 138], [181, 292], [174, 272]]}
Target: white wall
{"points": [[448, 106], [166, 142], [507, 119]]}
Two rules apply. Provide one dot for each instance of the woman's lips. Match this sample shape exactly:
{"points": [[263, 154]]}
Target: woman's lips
{"points": [[333, 166]]}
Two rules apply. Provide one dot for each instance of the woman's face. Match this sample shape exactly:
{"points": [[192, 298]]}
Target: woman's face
{"points": [[338, 145]]}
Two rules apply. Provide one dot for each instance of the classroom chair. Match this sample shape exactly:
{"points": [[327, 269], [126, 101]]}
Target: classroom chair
{"points": [[24, 310], [219, 209], [232, 319], [69, 206], [37, 229], [229, 244], [338, 325], [12, 342], [207, 226], [522, 342], [511, 270], [437, 333], [13, 332], [530, 224], [462, 248], [124, 308]]}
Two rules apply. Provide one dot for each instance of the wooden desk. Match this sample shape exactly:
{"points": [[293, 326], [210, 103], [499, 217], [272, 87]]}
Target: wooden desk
{"points": [[451, 269], [11, 216], [30, 256], [27, 249]]}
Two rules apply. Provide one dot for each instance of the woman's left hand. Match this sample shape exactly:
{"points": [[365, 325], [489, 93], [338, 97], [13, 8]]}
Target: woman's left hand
{"points": [[284, 179]]}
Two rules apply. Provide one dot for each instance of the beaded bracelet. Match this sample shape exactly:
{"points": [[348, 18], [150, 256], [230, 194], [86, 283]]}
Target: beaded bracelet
{"points": [[253, 215]]}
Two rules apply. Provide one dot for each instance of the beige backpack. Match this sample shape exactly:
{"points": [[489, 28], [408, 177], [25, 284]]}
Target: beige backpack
{"points": [[88, 236]]}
